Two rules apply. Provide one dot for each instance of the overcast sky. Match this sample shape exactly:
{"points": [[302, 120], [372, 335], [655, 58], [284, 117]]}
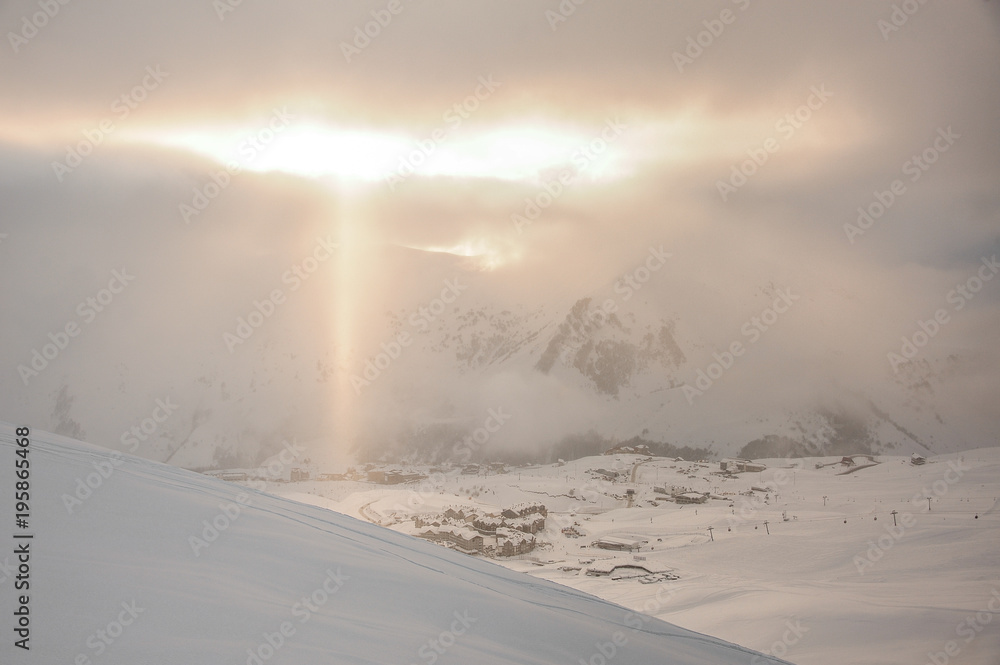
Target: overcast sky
{"points": [[435, 131]]}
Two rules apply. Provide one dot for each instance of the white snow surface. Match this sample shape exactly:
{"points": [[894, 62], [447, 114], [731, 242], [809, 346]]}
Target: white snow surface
{"points": [[835, 584], [341, 590]]}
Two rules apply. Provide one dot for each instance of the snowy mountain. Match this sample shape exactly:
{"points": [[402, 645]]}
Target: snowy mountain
{"points": [[638, 355], [658, 349], [134, 561]]}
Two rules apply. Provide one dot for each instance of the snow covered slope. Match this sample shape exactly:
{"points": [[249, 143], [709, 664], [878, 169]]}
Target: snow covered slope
{"points": [[133, 561]]}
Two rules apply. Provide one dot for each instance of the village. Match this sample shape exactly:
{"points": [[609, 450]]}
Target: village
{"points": [[692, 541], [615, 515]]}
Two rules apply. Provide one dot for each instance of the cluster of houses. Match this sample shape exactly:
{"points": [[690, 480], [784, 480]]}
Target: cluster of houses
{"points": [[472, 531]]}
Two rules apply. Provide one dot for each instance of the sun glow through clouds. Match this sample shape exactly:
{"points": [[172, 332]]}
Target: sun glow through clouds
{"points": [[311, 149]]}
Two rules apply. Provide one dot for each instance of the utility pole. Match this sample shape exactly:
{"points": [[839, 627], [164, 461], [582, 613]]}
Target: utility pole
{"points": [[766, 529], [824, 500], [710, 534], [893, 518], [928, 504]]}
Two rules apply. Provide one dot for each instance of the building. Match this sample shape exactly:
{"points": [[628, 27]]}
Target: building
{"points": [[525, 509], [690, 497], [529, 524], [431, 519], [396, 477], [619, 544], [512, 543], [299, 474], [485, 524], [460, 538], [741, 466]]}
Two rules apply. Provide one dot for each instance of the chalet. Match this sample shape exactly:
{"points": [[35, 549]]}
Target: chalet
{"points": [[690, 497], [512, 543], [485, 524], [430, 519], [525, 509], [530, 524], [462, 539]]}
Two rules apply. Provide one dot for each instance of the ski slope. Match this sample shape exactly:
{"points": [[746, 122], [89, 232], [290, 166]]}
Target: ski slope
{"points": [[133, 561], [835, 583]]}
